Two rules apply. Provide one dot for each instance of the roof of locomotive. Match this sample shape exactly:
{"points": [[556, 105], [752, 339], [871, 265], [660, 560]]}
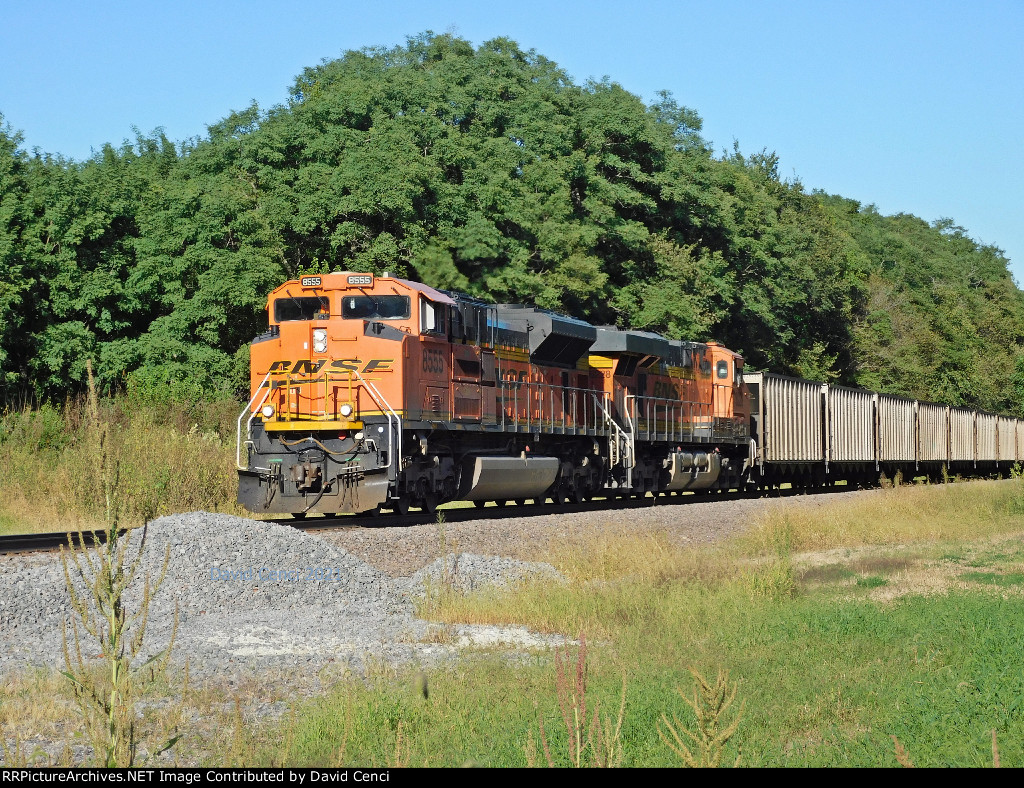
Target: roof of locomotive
{"points": [[644, 343], [343, 280], [570, 331], [438, 296]]}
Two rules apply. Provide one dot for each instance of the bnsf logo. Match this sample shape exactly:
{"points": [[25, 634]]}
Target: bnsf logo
{"points": [[664, 390], [310, 281], [307, 367]]}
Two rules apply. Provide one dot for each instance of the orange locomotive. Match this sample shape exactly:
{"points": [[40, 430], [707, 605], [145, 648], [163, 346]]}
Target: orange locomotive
{"points": [[373, 392]]}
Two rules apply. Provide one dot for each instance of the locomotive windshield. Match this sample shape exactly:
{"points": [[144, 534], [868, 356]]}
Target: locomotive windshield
{"points": [[301, 308], [385, 307]]}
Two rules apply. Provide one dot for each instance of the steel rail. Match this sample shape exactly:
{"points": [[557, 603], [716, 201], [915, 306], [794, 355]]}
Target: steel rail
{"points": [[47, 542]]}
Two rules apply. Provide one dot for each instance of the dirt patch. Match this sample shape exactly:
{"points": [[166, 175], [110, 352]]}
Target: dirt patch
{"points": [[826, 574], [881, 565], [922, 569]]}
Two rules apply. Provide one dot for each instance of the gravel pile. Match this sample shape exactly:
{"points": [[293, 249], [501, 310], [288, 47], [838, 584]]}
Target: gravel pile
{"points": [[253, 596], [249, 595]]}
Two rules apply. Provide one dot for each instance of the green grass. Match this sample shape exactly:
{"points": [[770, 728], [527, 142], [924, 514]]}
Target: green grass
{"points": [[825, 683]]}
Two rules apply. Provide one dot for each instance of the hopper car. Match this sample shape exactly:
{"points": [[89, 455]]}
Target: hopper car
{"points": [[373, 393]]}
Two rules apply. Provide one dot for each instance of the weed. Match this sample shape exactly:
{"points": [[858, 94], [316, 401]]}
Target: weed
{"points": [[710, 705], [106, 700], [872, 581], [530, 750], [285, 756], [341, 751], [589, 736], [773, 576], [239, 743], [51, 456], [400, 758], [17, 756], [902, 758], [449, 566], [894, 516], [97, 581], [1015, 505]]}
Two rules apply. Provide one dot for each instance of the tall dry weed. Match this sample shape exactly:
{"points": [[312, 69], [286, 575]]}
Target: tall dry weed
{"points": [[704, 746], [97, 581], [906, 513], [591, 740]]}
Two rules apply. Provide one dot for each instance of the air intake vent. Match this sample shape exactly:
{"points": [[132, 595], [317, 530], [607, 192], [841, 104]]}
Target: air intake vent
{"points": [[553, 339]]}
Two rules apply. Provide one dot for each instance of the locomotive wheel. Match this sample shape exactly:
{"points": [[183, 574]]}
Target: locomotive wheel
{"points": [[500, 503], [520, 502], [299, 515], [479, 504], [430, 504], [401, 507]]}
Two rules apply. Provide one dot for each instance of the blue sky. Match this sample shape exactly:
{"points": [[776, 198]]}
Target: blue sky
{"points": [[914, 106]]}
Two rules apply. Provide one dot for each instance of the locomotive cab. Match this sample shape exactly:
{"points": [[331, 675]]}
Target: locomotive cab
{"points": [[327, 390], [730, 399]]}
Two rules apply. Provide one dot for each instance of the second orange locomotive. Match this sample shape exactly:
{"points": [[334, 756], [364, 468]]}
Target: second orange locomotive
{"points": [[375, 392]]}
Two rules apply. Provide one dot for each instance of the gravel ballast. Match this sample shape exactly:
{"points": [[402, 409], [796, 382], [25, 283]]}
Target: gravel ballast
{"points": [[258, 596], [254, 595]]}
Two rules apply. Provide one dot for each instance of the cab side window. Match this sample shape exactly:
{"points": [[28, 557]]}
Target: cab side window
{"points": [[432, 317], [722, 370]]}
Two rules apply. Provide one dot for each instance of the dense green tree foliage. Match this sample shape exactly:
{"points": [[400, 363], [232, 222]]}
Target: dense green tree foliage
{"points": [[487, 170]]}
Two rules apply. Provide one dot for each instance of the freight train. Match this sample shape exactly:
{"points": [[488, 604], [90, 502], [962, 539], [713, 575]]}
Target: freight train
{"points": [[374, 393]]}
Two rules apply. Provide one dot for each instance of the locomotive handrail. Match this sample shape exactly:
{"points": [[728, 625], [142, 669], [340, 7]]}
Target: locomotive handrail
{"points": [[539, 410], [248, 425], [627, 441], [659, 418], [645, 414]]}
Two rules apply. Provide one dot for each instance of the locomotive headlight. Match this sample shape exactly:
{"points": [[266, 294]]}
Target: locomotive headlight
{"points": [[319, 340], [359, 436], [345, 410], [268, 411]]}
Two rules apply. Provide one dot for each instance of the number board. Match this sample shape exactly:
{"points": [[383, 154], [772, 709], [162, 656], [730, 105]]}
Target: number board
{"points": [[310, 281], [360, 280]]}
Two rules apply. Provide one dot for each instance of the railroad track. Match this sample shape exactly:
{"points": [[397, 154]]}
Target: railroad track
{"points": [[48, 542], [465, 514]]}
